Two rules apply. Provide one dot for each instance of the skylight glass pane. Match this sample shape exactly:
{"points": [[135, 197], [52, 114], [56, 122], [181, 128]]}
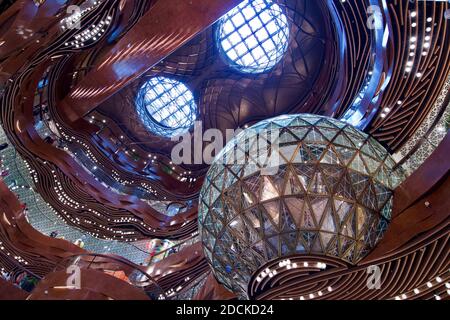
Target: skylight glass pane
{"points": [[254, 35], [245, 31]]}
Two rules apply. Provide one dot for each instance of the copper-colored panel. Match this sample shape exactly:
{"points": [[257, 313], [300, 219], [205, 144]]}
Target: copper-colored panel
{"points": [[11, 292], [93, 283]]}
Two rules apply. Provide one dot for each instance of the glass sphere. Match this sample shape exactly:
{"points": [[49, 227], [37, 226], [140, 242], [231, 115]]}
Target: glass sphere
{"points": [[254, 36], [295, 184], [166, 106]]}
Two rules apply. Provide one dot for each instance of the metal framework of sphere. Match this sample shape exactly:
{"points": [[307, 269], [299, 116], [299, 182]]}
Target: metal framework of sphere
{"points": [[330, 194]]}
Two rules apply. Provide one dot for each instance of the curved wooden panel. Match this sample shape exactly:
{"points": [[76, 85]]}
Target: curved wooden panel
{"points": [[94, 285], [19, 239], [11, 292]]}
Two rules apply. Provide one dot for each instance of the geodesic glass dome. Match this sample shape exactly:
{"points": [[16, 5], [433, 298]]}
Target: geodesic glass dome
{"points": [[296, 184], [166, 106], [254, 36]]}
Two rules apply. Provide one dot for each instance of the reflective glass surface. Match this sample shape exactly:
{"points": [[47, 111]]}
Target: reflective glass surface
{"points": [[295, 184]]}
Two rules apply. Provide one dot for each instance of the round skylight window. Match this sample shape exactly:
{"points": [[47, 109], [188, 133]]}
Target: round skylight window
{"points": [[166, 106], [254, 36]]}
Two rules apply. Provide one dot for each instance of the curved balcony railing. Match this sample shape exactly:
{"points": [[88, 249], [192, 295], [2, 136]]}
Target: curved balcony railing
{"points": [[43, 217], [116, 267]]}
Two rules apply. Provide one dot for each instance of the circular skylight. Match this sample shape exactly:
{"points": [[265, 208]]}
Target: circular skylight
{"points": [[166, 106], [254, 35]]}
